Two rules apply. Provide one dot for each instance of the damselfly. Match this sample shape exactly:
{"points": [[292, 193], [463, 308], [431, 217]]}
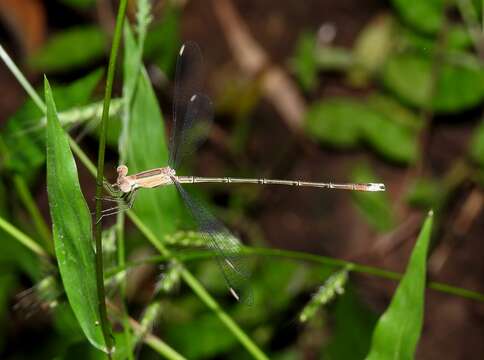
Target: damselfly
{"points": [[192, 116]]}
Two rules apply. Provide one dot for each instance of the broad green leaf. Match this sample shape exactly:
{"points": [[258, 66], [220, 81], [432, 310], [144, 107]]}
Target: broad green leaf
{"points": [[147, 148], [426, 16], [376, 207], [335, 122], [398, 330], [408, 76], [477, 145], [73, 48], [71, 225], [344, 122], [459, 86], [24, 134], [392, 140]]}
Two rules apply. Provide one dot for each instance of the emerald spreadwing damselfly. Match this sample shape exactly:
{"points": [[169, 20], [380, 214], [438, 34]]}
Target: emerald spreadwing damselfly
{"points": [[192, 117]]}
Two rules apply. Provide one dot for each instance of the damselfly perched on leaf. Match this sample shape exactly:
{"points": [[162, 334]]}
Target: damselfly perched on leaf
{"points": [[192, 118]]}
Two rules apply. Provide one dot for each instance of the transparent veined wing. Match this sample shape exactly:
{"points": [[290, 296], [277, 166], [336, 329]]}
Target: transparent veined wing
{"points": [[226, 246], [192, 110]]}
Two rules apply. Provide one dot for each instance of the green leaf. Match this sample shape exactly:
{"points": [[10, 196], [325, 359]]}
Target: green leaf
{"points": [[390, 139], [376, 207], [408, 76], [335, 122], [24, 135], [398, 330], [71, 225], [477, 145], [147, 148], [459, 86], [76, 47], [344, 123], [426, 16]]}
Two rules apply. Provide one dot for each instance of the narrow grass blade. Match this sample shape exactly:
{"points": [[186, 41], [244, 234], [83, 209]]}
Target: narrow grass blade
{"points": [[72, 234], [398, 330]]}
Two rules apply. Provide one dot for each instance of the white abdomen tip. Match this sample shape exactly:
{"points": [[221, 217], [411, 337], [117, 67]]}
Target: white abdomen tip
{"points": [[375, 187], [182, 49]]}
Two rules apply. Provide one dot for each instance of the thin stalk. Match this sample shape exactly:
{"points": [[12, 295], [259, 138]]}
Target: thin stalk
{"points": [[100, 171], [32, 208], [317, 259], [22, 238]]}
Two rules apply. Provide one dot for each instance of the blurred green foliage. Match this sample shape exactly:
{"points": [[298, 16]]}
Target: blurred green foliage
{"points": [[404, 66]]}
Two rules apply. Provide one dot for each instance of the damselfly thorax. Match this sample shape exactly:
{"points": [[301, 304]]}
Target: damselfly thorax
{"points": [[146, 179]]}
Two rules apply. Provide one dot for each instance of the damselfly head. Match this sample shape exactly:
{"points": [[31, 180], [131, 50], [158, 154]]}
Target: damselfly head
{"points": [[122, 170], [123, 182]]}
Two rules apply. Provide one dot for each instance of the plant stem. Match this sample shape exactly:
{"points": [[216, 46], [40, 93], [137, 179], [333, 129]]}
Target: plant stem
{"points": [[317, 259], [31, 206], [100, 171], [22, 238]]}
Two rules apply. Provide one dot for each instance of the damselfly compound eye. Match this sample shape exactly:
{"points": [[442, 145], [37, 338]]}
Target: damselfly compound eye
{"points": [[122, 170]]}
